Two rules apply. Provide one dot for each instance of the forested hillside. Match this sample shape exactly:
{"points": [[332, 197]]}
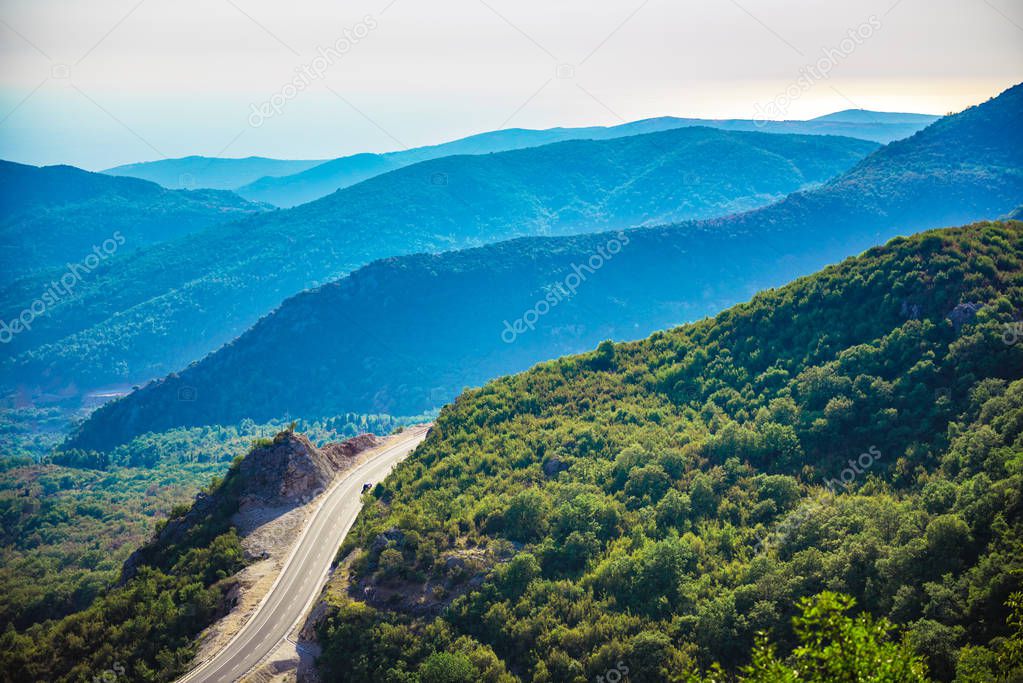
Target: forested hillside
{"points": [[406, 334], [656, 504], [124, 322], [53, 215], [74, 603], [144, 629]]}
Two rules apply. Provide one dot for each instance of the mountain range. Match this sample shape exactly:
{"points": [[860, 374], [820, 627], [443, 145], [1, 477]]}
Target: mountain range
{"points": [[159, 308], [407, 333], [301, 185], [624, 475]]}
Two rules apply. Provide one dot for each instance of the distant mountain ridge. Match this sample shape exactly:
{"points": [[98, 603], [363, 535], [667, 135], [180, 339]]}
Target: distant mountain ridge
{"points": [[289, 183], [321, 180], [885, 117], [54, 214], [191, 172], [429, 325], [123, 324]]}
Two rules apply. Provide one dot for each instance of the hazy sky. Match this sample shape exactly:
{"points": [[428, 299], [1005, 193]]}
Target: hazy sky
{"points": [[106, 82]]}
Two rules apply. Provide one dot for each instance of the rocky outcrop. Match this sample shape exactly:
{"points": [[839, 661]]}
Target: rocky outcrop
{"points": [[963, 313], [553, 465], [342, 452], [910, 310], [273, 478], [290, 470]]}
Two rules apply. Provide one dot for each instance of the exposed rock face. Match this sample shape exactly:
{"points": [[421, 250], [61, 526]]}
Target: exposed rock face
{"points": [[963, 313], [290, 470], [553, 465], [339, 452]]}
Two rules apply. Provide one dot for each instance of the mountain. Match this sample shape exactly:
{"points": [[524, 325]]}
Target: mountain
{"points": [[649, 507], [653, 505], [320, 180], [125, 322], [287, 183], [324, 179], [212, 172], [53, 215], [404, 335], [865, 116]]}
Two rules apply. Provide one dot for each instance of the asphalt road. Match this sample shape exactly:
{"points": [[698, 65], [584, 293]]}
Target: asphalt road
{"points": [[304, 573]]}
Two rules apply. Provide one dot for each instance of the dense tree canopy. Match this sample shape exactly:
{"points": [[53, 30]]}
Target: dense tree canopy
{"points": [[660, 503]]}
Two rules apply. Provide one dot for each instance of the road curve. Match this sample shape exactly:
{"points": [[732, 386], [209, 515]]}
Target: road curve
{"points": [[305, 571]]}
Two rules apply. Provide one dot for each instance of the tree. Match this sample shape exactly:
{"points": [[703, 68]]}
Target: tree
{"points": [[447, 667], [835, 648], [1010, 659], [526, 517], [604, 356]]}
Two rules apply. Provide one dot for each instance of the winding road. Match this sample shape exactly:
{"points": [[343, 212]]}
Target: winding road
{"points": [[305, 571]]}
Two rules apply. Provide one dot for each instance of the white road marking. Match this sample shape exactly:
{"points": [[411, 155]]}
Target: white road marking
{"points": [[240, 654]]}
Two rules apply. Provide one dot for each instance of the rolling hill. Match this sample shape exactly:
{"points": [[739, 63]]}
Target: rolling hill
{"points": [[158, 309], [53, 215], [324, 179], [407, 334]]}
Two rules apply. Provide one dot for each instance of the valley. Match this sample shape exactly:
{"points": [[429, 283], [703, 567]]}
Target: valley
{"points": [[120, 326]]}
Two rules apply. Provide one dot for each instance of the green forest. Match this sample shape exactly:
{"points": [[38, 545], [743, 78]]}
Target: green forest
{"points": [[144, 627], [834, 467]]}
